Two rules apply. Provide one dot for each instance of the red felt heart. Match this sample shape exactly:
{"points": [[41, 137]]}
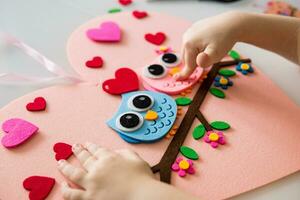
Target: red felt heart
{"points": [[39, 104], [139, 14], [96, 62], [39, 186], [62, 150], [125, 2], [156, 39], [126, 81]]}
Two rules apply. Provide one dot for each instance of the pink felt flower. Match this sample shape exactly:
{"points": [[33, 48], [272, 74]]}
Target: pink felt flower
{"points": [[183, 166], [214, 138]]}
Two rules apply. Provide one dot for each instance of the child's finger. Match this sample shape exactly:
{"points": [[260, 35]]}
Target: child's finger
{"points": [[70, 193], [209, 56], [190, 56], [97, 151], [74, 174], [128, 154], [85, 158]]}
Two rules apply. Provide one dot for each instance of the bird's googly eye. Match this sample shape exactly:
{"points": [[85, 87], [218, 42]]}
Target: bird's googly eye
{"points": [[140, 102], [170, 60], [155, 71], [129, 121]]}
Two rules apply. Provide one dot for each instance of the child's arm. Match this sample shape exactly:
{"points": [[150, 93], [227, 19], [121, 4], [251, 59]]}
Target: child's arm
{"points": [[208, 41], [113, 175]]}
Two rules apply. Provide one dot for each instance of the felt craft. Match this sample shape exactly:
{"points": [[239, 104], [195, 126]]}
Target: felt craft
{"points": [[78, 113], [114, 10], [125, 2], [139, 14], [17, 132], [183, 167], [217, 92], [199, 132], [183, 101], [227, 72], [220, 125], [39, 104], [158, 75], [157, 38], [96, 62], [132, 123], [39, 187], [244, 68], [189, 153], [214, 138], [107, 32], [125, 80], [62, 151], [234, 54]]}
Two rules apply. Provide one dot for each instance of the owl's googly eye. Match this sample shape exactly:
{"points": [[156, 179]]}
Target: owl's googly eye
{"points": [[170, 60], [129, 121], [155, 71], [140, 102]]}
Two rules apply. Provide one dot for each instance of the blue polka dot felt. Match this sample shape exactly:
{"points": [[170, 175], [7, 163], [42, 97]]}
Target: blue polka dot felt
{"points": [[130, 120]]}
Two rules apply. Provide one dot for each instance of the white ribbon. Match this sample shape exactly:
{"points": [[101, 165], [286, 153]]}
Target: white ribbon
{"points": [[58, 72]]}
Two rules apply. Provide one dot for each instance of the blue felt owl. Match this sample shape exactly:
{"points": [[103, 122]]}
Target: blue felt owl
{"points": [[132, 123]]}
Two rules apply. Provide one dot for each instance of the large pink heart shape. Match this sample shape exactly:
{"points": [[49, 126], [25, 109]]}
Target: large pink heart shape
{"points": [[18, 131], [107, 32]]}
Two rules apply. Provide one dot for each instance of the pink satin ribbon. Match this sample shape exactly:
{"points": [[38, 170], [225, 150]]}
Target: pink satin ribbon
{"points": [[58, 72]]}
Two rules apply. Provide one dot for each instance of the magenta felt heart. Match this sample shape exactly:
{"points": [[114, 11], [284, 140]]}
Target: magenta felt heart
{"points": [[107, 32], [17, 131]]}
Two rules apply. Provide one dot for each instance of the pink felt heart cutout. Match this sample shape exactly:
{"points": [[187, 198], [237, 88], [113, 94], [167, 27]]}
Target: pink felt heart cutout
{"points": [[17, 132], [107, 32]]}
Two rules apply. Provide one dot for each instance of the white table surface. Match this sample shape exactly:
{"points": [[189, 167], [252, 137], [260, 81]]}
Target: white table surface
{"points": [[46, 25]]}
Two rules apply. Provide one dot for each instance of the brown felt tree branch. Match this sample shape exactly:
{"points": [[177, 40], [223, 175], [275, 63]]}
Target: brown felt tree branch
{"points": [[164, 166]]}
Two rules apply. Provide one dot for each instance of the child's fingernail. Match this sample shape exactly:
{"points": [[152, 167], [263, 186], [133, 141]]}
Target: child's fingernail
{"points": [[87, 144], [76, 148], [60, 162]]}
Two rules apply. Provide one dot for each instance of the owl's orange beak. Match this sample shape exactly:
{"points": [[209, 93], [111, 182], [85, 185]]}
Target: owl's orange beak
{"points": [[151, 115], [174, 71]]}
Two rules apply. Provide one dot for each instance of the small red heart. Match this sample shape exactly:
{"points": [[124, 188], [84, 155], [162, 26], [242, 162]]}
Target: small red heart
{"points": [[156, 39], [126, 81], [139, 14], [39, 104], [125, 2], [62, 150], [96, 62], [39, 186]]}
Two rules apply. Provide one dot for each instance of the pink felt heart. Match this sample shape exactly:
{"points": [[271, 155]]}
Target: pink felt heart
{"points": [[17, 132], [107, 32], [39, 186]]}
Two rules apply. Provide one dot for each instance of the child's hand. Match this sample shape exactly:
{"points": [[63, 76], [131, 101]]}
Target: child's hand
{"points": [[107, 174], [208, 41]]}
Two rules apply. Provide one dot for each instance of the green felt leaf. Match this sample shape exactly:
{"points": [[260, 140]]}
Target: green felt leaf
{"points": [[114, 10], [220, 125], [217, 92], [226, 72], [234, 55], [183, 101], [199, 132], [189, 152]]}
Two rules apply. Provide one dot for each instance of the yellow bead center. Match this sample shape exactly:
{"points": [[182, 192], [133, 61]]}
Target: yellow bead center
{"points": [[163, 48], [213, 137], [223, 81], [245, 66], [184, 164]]}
